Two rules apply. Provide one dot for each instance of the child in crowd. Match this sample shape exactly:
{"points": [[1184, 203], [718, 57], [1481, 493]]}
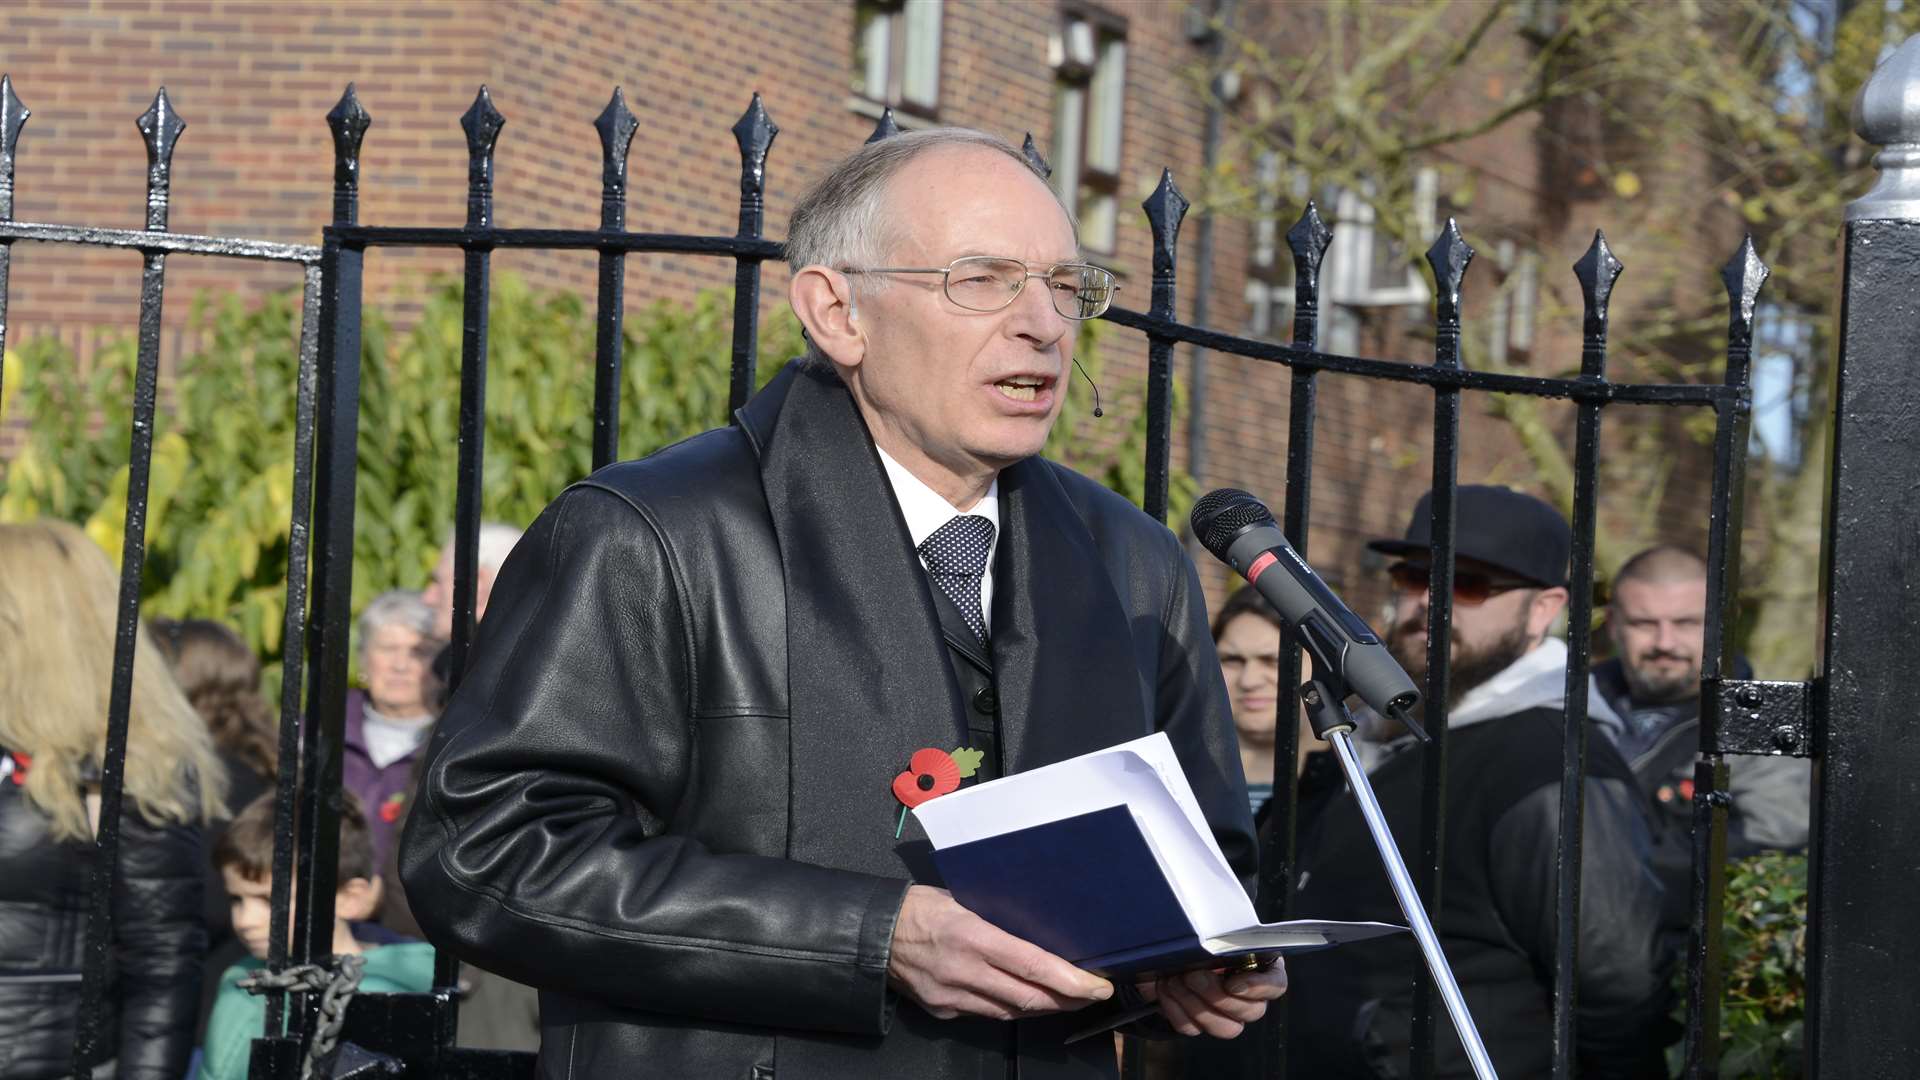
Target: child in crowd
{"points": [[244, 857]]}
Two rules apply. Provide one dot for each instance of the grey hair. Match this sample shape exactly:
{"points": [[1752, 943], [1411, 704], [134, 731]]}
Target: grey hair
{"points": [[396, 607], [497, 541], [842, 220]]}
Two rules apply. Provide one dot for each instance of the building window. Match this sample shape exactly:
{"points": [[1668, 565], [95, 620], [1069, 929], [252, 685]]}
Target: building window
{"points": [[896, 53], [1510, 323], [1372, 267], [1270, 271], [1089, 55], [1542, 20]]}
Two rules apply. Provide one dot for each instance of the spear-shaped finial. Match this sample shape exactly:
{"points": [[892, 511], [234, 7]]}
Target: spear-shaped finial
{"points": [[887, 128], [348, 120], [1035, 158], [160, 126]]}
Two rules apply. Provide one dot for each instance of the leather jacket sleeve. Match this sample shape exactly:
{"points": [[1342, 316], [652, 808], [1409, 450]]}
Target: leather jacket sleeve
{"points": [[1623, 990], [160, 943], [1192, 709], [544, 847]]}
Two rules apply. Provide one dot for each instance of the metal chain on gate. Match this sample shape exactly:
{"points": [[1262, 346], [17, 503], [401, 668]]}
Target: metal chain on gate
{"points": [[335, 986]]}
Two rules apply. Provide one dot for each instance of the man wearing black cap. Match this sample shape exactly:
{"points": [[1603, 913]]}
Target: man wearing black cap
{"points": [[1497, 914]]}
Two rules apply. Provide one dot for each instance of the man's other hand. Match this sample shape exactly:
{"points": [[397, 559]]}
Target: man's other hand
{"points": [[952, 961], [1216, 1003]]}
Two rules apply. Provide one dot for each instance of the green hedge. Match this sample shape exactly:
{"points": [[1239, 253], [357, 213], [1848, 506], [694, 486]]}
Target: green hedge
{"points": [[221, 488], [1764, 937]]}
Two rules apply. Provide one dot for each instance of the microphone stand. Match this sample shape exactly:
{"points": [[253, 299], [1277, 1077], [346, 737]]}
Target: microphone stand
{"points": [[1325, 700]]}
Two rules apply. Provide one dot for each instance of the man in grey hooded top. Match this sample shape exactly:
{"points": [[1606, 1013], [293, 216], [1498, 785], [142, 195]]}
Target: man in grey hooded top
{"points": [[1497, 916]]}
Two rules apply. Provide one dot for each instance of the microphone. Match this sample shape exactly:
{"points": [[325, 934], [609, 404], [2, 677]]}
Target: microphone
{"points": [[1240, 531], [1096, 390]]}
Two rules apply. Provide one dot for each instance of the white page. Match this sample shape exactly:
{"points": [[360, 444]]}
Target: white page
{"points": [[1180, 837], [1299, 933], [1158, 752], [1050, 793], [1145, 776]]}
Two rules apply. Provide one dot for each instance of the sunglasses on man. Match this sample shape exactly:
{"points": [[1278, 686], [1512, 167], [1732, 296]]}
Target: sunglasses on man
{"points": [[1471, 588]]}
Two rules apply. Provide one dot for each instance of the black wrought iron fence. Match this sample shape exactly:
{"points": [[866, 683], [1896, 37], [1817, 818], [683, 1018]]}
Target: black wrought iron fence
{"points": [[1864, 790]]}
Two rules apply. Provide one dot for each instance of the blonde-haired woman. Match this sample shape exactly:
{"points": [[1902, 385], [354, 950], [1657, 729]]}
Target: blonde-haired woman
{"points": [[58, 597]]}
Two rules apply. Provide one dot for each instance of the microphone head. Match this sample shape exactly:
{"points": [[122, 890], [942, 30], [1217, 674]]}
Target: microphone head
{"points": [[1221, 514]]}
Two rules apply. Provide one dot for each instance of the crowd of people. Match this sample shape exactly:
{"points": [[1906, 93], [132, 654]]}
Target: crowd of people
{"points": [[666, 790], [191, 898], [1497, 918], [203, 750]]}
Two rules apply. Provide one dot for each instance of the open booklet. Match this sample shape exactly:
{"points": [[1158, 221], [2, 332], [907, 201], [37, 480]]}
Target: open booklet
{"points": [[1106, 861]]}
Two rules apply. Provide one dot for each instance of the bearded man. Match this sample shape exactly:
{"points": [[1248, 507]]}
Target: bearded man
{"points": [[1656, 621], [1497, 913]]}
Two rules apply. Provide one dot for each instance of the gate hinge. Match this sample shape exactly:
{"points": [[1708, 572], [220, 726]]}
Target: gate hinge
{"points": [[1750, 716]]}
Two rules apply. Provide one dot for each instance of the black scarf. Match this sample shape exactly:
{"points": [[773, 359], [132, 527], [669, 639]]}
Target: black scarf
{"points": [[869, 680]]}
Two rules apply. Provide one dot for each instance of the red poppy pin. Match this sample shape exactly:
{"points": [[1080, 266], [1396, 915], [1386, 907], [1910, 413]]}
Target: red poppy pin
{"points": [[390, 810], [17, 764], [930, 774]]}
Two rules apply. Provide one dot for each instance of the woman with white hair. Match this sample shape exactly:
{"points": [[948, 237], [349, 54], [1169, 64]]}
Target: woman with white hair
{"points": [[58, 609], [389, 720]]}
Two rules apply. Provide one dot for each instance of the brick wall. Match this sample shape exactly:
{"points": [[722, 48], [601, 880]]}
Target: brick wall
{"points": [[254, 81]]}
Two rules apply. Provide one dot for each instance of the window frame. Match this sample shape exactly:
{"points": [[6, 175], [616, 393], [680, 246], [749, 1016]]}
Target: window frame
{"points": [[893, 94], [1515, 304], [1071, 73], [1350, 268], [1271, 278]]}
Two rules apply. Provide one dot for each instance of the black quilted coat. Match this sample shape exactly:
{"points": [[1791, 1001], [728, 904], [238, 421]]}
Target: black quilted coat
{"points": [[154, 963]]}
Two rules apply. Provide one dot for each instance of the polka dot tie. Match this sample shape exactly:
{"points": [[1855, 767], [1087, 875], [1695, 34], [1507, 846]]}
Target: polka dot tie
{"points": [[956, 556]]}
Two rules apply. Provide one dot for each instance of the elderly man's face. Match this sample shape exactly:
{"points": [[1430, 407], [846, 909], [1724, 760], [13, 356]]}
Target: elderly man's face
{"points": [[438, 595], [1659, 632], [948, 391]]}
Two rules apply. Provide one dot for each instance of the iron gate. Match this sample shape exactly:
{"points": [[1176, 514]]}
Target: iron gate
{"points": [[1866, 826]]}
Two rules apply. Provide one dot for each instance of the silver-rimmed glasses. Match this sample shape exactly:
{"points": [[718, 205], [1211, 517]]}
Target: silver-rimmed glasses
{"points": [[989, 283]]}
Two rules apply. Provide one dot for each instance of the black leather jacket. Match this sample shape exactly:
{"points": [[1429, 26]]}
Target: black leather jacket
{"points": [[154, 965], [1498, 915], [663, 792]]}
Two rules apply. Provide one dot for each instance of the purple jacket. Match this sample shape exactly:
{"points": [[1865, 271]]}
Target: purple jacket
{"points": [[383, 793]]}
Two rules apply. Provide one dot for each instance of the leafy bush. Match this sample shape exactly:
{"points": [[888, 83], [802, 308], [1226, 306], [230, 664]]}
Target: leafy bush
{"points": [[1763, 999], [221, 487], [1763, 1007]]}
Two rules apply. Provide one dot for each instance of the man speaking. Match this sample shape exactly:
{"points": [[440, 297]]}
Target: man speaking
{"points": [[664, 793]]}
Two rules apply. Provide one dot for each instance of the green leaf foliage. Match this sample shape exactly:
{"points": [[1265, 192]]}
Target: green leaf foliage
{"points": [[1764, 938], [1113, 448], [221, 487]]}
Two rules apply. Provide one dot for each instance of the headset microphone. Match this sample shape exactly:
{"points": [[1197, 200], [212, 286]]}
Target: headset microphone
{"points": [[1096, 389]]}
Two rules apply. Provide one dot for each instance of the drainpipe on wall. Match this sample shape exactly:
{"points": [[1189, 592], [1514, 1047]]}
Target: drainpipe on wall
{"points": [[1213, 32]]}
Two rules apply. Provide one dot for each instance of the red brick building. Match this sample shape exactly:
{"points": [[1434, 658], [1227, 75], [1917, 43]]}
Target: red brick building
{"points": [[1111, 92]]}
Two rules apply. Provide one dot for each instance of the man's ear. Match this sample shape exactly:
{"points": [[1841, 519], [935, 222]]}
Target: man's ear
{"points": [[1547, 605], [358, 899], [823, 299]]}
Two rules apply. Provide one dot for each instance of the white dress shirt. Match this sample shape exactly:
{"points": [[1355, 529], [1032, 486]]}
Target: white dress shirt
{"points": [[926, 510]]}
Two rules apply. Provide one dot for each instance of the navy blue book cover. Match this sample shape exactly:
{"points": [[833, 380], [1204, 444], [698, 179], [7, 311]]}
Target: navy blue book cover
{"points": [[1085, 888]]}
